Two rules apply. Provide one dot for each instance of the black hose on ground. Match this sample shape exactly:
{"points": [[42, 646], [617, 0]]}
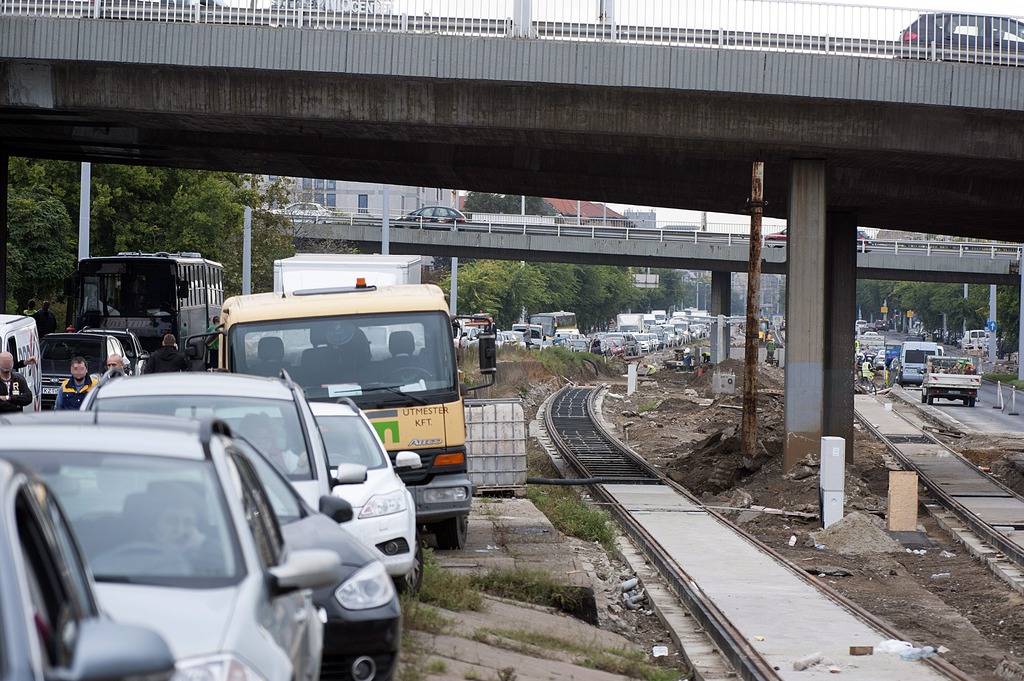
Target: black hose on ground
{"points": [[564, 481]]}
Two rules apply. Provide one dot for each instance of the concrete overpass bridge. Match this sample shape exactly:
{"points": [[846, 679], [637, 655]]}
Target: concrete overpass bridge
{"points": [[889, 259], [859, 130]]}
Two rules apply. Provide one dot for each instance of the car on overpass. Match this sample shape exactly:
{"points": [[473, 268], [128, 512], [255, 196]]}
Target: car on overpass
{"points": [[305, 211], [430, 216], [965, 37], [778, 239]]}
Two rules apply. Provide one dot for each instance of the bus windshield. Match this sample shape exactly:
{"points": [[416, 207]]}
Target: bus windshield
{"points": [[126, 289], [555, 322], [375, 359]]}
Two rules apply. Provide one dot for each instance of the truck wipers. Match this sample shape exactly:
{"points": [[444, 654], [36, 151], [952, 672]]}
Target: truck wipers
{"points": [[395, 389]]}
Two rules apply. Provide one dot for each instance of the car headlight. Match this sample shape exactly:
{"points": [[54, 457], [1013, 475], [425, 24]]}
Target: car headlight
{"points": [[215, 668], [384, 504], [434, 496], [371, 587]]}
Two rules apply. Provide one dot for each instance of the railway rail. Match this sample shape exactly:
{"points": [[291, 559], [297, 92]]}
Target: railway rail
{"points": [[994, 512], [736, 588]]}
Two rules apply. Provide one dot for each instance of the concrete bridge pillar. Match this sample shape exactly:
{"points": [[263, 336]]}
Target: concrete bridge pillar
{"points": [[805, 311], [841, 314], [721, 304]]}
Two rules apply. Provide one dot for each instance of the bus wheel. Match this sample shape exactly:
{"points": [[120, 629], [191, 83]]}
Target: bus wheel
{"points": [[451, 534]]}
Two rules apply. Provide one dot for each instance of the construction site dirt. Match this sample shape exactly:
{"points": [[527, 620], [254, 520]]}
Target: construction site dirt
{"points": [[942, 596], [936, 594]]}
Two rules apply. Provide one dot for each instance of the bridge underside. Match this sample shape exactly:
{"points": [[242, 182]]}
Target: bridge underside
{"points": [[934, 169]]}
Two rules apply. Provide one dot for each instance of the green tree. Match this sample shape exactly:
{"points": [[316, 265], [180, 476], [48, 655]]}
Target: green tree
{"points": [[37, 259], [508, 204]]}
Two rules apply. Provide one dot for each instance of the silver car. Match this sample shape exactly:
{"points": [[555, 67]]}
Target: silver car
{"points": [[181, 536], [50, 624]]}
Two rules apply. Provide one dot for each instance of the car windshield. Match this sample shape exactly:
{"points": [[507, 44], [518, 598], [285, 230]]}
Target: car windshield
{"points": [[272, 426], [375, 359], [57, 354], [348, 439], [146, 519]]}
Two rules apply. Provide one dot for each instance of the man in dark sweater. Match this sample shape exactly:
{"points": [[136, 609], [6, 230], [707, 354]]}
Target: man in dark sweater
{"points": [[14, 391], [167, 358]]}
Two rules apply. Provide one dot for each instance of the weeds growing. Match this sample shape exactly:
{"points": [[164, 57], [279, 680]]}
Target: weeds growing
{"points": [[571, 516]]}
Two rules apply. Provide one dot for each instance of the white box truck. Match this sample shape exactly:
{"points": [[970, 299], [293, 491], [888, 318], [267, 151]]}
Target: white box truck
{"points": [[311, 271], [629, 323]]}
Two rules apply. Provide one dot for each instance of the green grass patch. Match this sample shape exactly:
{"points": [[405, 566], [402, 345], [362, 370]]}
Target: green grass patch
{"points": [[571, 516], [649, 406], [436, 667], [560, 361], [419, 617], [530, 586], [446, 589], [627, 663], [1009, 379]]}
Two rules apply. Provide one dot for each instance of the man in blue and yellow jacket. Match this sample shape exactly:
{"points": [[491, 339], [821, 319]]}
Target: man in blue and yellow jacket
{"points": [[72, 391]]}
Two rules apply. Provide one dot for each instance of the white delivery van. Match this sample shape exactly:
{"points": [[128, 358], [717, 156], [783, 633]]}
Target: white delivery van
{"points": [[20, 337], [913, 358], [975, 340]]}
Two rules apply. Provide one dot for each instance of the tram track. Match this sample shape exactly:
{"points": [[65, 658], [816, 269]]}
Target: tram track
{"points": [[594, 453], [994, 512]]}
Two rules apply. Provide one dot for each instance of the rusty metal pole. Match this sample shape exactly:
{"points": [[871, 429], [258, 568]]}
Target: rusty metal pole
{"points": [[748, 432]]}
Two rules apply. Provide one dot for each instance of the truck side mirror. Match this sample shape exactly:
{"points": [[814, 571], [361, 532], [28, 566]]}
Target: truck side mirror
{"points": [[69, 288], [488, 353]]}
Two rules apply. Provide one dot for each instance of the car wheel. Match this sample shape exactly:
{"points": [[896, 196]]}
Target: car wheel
{"points": [[931, 400], [410, 582], [451, 534], [922, 397]]}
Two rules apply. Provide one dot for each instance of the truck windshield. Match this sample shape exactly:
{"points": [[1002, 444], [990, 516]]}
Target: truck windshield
{"points": [[373, 358]]}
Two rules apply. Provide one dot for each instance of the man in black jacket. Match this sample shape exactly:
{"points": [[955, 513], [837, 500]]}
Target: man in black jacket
{"points": [[46, 321], [14, 391], [167, 358]]}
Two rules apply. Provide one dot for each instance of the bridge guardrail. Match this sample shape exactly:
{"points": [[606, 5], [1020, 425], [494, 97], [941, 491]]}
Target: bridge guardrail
{"points": [[621, 229], [762, 25]]}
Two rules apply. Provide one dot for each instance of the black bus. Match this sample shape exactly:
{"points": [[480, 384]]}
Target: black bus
{"points": [[150, 294]]}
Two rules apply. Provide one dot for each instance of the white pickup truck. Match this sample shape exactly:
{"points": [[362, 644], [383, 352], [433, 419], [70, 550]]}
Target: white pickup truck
{"points": [[950, 378]]}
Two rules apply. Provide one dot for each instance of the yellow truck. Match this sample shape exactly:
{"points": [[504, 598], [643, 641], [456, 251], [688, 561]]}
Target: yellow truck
{"points": [[388, 349]]}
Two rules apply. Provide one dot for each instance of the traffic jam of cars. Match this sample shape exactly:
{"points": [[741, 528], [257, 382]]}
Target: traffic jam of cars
{"points": [[229, 528]]}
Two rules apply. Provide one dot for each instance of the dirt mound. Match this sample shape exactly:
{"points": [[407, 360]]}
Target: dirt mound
{"points": [[855, 534]]}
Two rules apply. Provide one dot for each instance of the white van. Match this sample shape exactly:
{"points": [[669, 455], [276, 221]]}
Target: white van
{"points": [[913, 357], [975, 340], [20, 337]]}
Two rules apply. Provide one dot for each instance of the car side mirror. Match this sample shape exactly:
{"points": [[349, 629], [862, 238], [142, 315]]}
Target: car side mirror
{"points": [[116, 652], [336, 508], [406, 460], [350, 474]]}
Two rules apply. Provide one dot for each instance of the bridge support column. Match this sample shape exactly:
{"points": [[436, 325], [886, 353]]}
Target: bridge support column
{"points": [[805, 311], [721, 304], [841, 314], [4, 179]]}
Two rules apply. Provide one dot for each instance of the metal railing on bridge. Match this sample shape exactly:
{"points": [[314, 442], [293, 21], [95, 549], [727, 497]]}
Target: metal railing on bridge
{"points": [[722, 234], [762, 25]]}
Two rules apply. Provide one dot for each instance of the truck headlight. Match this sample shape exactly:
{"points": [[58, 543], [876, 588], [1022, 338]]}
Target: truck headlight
{"points": [[369, 588], [445, 494], [384, 504]]}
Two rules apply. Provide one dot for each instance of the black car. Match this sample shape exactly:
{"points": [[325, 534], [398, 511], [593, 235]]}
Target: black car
{"points": [[957, 36], [362, 621], [58, 349], [135, 357], [432, 215], [50, 624]]}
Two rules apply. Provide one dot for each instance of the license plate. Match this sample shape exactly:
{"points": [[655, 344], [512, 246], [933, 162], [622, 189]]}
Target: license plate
{"points": [[50, 391]]}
